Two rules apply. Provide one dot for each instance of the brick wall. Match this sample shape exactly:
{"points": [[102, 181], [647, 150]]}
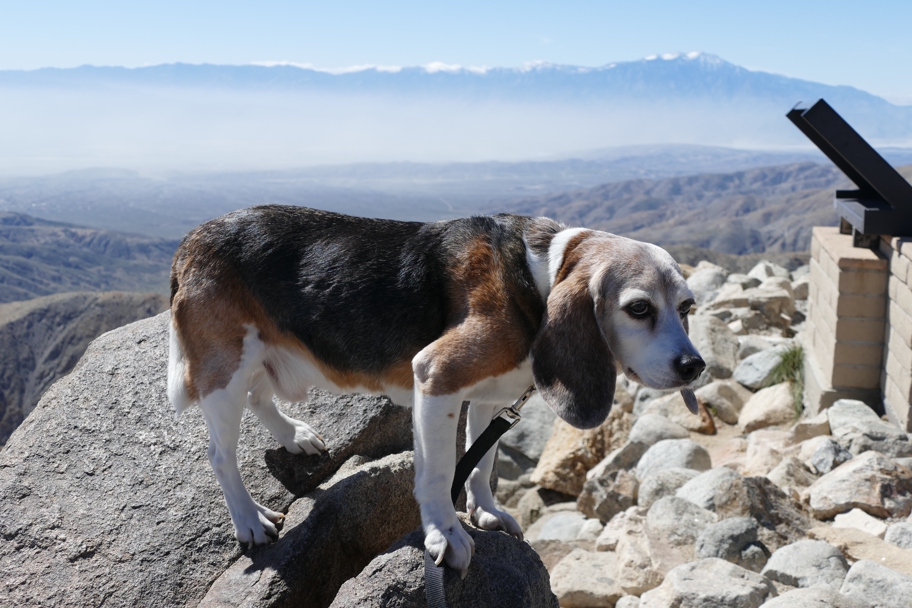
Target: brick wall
{"points": [[847, 321], [896, 377]]}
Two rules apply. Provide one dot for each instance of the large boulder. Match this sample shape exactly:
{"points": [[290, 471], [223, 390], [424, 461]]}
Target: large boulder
{"points": [[664, 482], [503, 572], [584, 579], [807, 563], [755, 371], [673, 453], [106, 499], [42, 339], [815, 597], [858, 429], [330, 535], [870, 482], [710, 582], [877, 585], [735, 540], [706, 281], [571, 452]]}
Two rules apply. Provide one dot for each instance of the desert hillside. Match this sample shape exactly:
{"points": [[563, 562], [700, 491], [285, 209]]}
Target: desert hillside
{"points": [[770, 209], [42, 339], [40, 257]]}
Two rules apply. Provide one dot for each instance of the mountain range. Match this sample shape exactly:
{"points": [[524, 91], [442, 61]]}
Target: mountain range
{"points": [[763, 210], [281, 116]]}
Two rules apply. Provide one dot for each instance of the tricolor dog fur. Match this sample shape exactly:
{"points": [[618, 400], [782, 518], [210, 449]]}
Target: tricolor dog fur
{"points": [[273, 300]]}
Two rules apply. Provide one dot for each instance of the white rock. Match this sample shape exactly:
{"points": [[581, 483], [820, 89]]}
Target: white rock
{"points": [[611, 533], [814, 597], [628, 601], [791, 476], [765, 269], [565, 526], [583, 579], [708, 487], [672, 527], [710, 582], [808, 428], [662, 483], [705, 283], [770, 406], [869, 481], [652, 428], [858, 429], [778, 283], [750, 345], [807, 563], [870, 582], [900, 535], [673, 453], [756, 370], [765, 450], [858, 519]]}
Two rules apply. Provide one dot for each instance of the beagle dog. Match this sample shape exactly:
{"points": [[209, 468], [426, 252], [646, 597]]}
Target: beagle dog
{"points": [[274, 300]]}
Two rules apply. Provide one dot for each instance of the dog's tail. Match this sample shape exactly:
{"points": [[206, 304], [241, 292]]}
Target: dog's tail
{"points": [[177, 374]]}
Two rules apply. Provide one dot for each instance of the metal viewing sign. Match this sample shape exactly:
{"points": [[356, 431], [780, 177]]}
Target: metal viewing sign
{"points": [[882, 204]]}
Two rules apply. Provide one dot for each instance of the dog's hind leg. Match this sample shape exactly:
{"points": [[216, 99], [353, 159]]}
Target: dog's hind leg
{"points": [[479, 499], [223, 410], [297, 436]]}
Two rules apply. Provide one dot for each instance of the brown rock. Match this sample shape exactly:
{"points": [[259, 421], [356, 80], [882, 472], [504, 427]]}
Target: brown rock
{"points": [[857, 545], [724, 397], [672, 407], [606, 496], [571, 452], [870, 482]]}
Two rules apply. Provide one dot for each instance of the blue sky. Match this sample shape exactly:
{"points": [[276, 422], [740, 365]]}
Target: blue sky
{"points": [[868, 45]]}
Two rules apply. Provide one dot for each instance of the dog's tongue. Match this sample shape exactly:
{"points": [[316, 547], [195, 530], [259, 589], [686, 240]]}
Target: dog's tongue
{"points": [[690, 400]]}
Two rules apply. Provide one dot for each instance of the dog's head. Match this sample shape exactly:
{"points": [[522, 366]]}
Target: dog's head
{"points": [[614, 304]]}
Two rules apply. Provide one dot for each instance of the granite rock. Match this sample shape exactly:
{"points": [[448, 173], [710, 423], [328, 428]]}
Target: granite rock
{"points": [[710, 582], [807, 563], [504, 572]]}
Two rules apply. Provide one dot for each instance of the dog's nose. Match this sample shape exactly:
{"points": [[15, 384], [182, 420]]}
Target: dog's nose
{"points": [[689, 367]]}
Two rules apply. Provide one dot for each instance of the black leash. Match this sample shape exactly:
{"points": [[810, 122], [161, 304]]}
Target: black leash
{"points": [[503, 421]]}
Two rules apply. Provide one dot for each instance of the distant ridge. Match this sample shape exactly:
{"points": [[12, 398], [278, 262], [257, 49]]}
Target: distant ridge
{"points": [[282, 115]]}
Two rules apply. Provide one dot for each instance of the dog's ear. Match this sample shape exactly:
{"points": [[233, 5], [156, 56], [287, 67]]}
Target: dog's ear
{"points": [[571, 363]]}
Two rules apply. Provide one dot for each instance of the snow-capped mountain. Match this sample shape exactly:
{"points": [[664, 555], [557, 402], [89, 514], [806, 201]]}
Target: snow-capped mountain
{"points": [[433, 112]]}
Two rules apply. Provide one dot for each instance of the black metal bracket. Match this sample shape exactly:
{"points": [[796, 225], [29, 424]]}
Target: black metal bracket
{"points": [[882, 204]]}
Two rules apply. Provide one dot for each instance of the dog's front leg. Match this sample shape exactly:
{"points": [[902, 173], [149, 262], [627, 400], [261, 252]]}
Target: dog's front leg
{"points": [[435, 425], [479, 499]]}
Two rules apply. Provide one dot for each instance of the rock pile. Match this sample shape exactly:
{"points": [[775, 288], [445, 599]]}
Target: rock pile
{"points": [[749, 503]]}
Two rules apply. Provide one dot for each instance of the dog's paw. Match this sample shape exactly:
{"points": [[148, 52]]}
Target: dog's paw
{"points": [[305, 440], [277, 519], [495, 519], [256, 528], [452, 544]]}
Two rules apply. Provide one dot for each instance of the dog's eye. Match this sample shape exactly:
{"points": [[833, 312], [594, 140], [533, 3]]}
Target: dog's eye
{"points": [[640, 308], [684, 310]]}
